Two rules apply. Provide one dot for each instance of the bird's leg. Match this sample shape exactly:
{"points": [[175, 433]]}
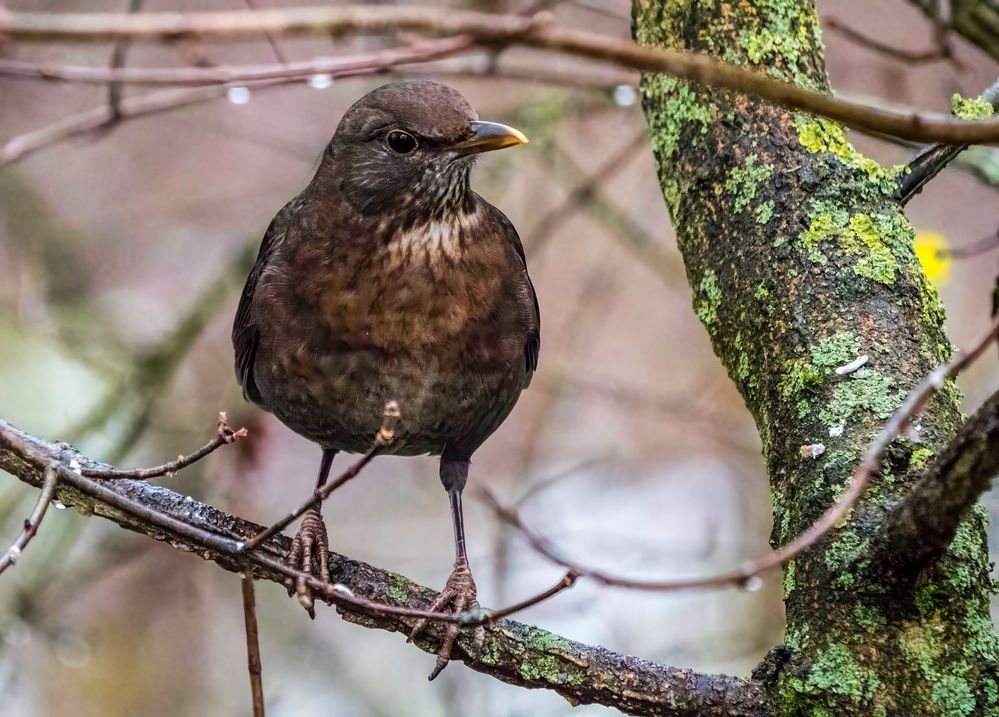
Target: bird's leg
{"points": [[311, 541], [458, 595]]}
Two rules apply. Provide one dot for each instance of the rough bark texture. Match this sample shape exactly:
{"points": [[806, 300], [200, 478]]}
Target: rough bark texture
{"points": [[513, 652], [800, 262], [976, 20]]}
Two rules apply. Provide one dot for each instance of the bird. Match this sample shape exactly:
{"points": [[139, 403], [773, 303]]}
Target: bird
{"points": [[388, 279]]}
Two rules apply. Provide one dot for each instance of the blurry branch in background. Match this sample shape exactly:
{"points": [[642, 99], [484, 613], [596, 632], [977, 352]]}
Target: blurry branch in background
{"points": [[930, 161], [974, 476], [975, 20], [90, 122], [118, 56], [378, 599], [151, 370], [941, 51], [469, 29]]}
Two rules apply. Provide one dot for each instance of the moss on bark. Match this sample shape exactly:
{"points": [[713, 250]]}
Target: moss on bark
{"points": [[803, 262]]}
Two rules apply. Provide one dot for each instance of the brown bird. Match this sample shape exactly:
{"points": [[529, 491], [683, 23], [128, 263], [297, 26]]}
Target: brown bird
{"points": [[389, 279]]}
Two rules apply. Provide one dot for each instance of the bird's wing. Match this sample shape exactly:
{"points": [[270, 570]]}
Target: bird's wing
{"points": [[532, 344], [245, 335]]}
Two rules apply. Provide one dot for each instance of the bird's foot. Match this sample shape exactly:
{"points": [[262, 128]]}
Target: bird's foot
{"points": [[310, 542], [457, 597]]}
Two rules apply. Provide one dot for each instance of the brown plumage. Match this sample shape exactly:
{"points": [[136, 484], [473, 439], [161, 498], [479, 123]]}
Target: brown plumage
{"points": [[389, 279]]}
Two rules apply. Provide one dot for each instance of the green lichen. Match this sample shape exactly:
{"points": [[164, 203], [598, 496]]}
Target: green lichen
{"points": [[819, 135], [864, 390], [744, 181], [954, 697], [835, 670], [682, 108], [875, 241], [920, 457], [765, 212], [845, 554], [868, 618], [790, 575], [971, 108], [798, 375], [836, 350], [398, 589], [709, 298]]}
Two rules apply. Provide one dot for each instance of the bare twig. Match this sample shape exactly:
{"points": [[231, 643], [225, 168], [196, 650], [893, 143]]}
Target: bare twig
{"points": [[253, 662], [745, 574], [117, 62], [384, 437], [494, 30], [32, 522], [272, 41], [226, 435]]}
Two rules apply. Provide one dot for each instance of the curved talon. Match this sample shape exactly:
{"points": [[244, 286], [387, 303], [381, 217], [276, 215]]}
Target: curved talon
{"points": [[457, 597], [311, 541]]}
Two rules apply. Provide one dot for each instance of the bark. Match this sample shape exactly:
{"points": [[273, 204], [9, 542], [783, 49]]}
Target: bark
{"points": [[801, 261], [513, 652]]}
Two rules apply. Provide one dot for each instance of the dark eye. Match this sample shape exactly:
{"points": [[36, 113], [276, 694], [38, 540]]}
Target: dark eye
{"points": [[400, 142]]}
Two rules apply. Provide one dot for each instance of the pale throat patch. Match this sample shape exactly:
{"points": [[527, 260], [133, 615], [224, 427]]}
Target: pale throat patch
{"points": [[437, 238]]}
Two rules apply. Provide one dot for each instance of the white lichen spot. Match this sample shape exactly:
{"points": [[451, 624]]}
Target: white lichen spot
{"points": [[812, 451], [852, 366], [342, 589], [74, 465], [836, 431], [13, 553]]}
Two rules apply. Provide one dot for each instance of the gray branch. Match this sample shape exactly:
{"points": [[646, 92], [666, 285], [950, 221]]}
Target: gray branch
{"points": [[514, 652]]}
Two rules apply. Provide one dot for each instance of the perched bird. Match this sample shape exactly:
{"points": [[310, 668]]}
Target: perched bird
{"points": [[389, 279]]}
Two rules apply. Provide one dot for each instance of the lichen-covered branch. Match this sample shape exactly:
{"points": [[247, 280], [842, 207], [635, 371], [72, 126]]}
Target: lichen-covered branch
{"points": [[513, 652], [804, 274], [925, 522]]}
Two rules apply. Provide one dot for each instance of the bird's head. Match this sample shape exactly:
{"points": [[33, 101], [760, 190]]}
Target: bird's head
{"points": [[406, 148]]}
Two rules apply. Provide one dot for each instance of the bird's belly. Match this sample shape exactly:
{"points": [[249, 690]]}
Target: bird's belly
{"points": [[337, 399]]}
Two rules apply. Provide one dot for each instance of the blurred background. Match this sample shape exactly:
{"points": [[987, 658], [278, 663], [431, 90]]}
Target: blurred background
{"points": [[121, 258]]}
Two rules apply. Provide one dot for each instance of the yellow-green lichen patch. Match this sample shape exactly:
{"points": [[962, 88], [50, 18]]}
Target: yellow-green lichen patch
{"points": [[864, 390], [798, 375], [682, 108], [743, 181], [708, 298], [819, 135], [971, 108], [874, 241], [920, 457]]}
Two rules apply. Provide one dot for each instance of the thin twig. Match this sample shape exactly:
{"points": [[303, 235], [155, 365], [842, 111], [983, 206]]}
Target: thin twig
{"points": [[495, 30], [385, 436], [253, 662], [117, 62], [747, 572], [226, 435], [272, 41], [32, 522]]}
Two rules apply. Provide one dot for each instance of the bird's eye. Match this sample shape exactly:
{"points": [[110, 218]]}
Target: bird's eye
{"points": [[400, 142]]}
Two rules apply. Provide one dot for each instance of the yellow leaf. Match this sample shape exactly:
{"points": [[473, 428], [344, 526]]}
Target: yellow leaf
{"points": [[932, 250]]}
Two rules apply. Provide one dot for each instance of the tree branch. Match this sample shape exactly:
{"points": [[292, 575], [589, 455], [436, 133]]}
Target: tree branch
{"points": [[496, 30], [515, 653], [977, 21], [920, 528]]}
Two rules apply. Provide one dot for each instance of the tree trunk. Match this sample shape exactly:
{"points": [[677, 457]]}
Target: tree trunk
{"points": [[801, 261]]}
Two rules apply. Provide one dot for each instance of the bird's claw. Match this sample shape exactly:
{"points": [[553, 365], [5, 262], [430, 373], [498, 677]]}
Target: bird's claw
{"points": [[457, 597], [310, 541]]}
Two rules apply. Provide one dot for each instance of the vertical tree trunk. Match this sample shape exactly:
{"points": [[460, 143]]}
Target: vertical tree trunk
{"points": [[800, 262]]}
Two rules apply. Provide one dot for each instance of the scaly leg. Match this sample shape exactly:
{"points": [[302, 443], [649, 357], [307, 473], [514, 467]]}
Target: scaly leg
{"points": [[311, 541], [458, 595]]}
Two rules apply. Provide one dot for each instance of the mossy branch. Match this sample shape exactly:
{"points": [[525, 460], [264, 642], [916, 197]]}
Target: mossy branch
{"points": [[514, 652], [919, 529]]}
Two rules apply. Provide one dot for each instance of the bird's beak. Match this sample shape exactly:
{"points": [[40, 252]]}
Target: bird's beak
{"points": [[489, 136]]}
